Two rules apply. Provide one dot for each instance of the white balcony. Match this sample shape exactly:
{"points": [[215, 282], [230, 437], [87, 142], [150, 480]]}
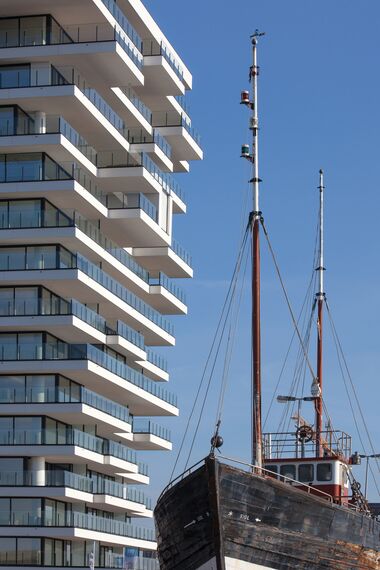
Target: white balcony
{"points": [[140, 401], [172, 260]]}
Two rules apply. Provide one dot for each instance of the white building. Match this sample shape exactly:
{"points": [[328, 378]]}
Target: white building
{"points": [[92, 126]]}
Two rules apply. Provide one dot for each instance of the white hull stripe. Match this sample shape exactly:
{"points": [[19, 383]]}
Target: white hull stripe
{"points": [[234, 564]]}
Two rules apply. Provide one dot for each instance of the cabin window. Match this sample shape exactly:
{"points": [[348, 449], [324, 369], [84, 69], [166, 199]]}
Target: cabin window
{"points": [[288, 471], [273, 469], [324, 472], [306, 473]]}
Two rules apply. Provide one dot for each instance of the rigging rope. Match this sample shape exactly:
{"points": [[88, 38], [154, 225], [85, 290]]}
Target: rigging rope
{"points": [[226, 304], [287, 299]]}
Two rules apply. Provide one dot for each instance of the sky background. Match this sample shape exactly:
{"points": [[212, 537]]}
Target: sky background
{"points": [[319, 106]]}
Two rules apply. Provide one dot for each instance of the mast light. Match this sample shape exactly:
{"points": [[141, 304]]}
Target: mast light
{"points": [[244, 99]]}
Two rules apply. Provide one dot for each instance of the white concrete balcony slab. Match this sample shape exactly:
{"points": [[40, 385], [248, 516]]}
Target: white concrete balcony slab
{"points": [[75, 533], [87, 290], [149, 442], [71, 413], [166, 302], [172, 260], [160, 77], [185, 146], [128, 105], [155, 152], [153, 371], [60, 192], [141, 400], [79, 110], [134, 227], [77, 455], [103, 63]]}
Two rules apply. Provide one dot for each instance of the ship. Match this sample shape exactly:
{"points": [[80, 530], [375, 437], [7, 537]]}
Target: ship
{"points": [[295, 505]]}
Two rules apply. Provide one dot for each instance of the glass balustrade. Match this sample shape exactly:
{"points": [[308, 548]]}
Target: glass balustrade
{"points": [[151, 47], [156, 359], [31, 346], [68, 436], [142, 425], [138, 136], [170, 286], [140, 106], [57, 257], [29, 31], [129, 334], [121, 201], [181, 252], [58, 478], [171, 119], [123, 21]]}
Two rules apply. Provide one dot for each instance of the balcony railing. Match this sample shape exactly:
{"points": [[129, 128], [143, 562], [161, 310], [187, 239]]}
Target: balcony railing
{"points": [[151, 47], [68, 437], [181, 252], [131, 202], [129, 334], [63, 259], [138, 136], [63, 351], [169, 285], [57, 395], [171, 119], [157, 360], [28, 31], [111, 159], [142, 425], [123, 21], [94, 485], [140, 106]]}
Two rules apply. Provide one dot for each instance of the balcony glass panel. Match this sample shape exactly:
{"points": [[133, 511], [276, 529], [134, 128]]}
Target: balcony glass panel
{"points": [[14, 76], [170, 286], [142, 425]]}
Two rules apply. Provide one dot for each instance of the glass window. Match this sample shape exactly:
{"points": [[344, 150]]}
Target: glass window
{"points": [[9, 36], [26, 512], [58, 551], [14, 76], [7, 115], [48, 552], [288, 471], [64, 389], [6, 430], [27, 430], [306, 472], [60, 514], [12, 389], [5, 512], [11, 470], [30, 346], [26, 166], [77, 553], [12, 258], [7, 551], [29, 551], [272, 468], [25, 213], [33, 31], [41, 257], [324, 471], [26, 300], [50, 431], [40, 388], [8, 346], [6, 301]]}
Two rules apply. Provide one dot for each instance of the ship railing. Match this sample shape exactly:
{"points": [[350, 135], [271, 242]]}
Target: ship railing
{"points": [[181, 476], [283, 478], [286, 445]]}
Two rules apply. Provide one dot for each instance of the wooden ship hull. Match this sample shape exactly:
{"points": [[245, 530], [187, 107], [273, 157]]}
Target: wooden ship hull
{"points": [[219, 517]]}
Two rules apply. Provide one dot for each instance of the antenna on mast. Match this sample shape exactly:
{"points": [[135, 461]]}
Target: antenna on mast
{"points": [[318, 382], [255, 219]]}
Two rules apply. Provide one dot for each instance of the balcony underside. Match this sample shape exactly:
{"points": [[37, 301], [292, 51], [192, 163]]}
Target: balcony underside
{"points": [[156, 259], [86, 290], [73, 414], [69, 495], [102, 63], [183, 145], [60, 192], [133, 228], [76, 108], [160, 78], [98, 379], [69, 533], [105, 464], [147, 442]]}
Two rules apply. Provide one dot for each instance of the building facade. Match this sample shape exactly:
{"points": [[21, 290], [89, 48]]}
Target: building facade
{"points": [[93, 125]]}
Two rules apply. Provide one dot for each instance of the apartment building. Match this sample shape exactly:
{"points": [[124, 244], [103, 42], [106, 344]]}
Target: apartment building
{"points": [[93, 128]]}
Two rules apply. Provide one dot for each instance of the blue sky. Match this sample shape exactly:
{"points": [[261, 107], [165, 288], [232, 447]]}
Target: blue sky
{"points": [[319, 107]]}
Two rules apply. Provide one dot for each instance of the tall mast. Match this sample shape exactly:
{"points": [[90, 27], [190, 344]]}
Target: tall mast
{"points": [[320, 298], [255, 218]]}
